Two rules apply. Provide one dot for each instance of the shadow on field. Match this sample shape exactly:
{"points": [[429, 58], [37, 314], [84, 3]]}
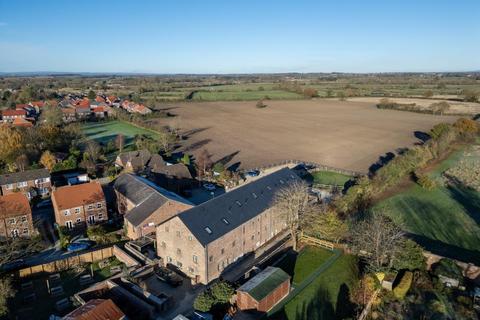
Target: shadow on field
{"points": [[226, 159], [468, 198], [422, 136], [189, 133], [446, 250], [197, 145], [382, 160]]}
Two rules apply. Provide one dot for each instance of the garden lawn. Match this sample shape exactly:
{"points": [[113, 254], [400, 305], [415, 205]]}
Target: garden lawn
{"points": [[102, 132], [327, 297], [320, 298], [445, 220], [330, 178]]}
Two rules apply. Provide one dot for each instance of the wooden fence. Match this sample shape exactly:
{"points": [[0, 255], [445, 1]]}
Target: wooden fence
{"points": [[69, 261], [317, 242]]}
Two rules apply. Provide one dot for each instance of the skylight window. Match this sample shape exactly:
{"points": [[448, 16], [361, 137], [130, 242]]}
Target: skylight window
{"points": [[209, 231], [238, 203], [254, 195], [269, 188], [225, 221], [281, 181]]}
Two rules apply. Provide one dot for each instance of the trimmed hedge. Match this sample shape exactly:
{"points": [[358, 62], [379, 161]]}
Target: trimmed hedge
{"points": [[403, 286]]}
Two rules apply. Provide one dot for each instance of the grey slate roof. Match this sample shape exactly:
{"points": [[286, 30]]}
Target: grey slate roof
{"points": [[23, 176], [237, 206], [146, 196], [137, 158]]}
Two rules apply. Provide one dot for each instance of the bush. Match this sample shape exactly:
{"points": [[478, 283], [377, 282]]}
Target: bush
{"points": [[203, 302], [426, 182], [222, 292], [260, 104], [403, 286], [219, 293]]}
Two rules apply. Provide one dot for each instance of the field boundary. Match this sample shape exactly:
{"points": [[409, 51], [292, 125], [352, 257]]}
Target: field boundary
{"points": [[318, 167], [305, 283]]}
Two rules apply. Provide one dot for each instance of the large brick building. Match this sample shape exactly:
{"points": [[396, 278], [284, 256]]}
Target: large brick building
{"points": [[204, 240], [30, 182], [15, 216], [79, 205], [145, 205]]}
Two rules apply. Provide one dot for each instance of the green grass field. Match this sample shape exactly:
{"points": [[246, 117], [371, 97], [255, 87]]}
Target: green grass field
{"points": [[102, 132], [445, 220], [330, 178], [244, 95], [320, 299]]}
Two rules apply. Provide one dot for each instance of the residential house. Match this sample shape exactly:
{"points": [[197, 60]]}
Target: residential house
{"points": [[79, 205], [135, 161], [99, 112], [82, 112], [208, 238], [175, 177], [29, 182], [9, 115], [20, 122], [141, 109], [69, 114], [145, 205], [264, 291], [15, 216], [96, 309]]}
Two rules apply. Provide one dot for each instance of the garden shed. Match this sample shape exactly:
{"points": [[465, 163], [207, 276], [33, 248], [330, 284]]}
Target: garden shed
{"points": [[264, 291]]}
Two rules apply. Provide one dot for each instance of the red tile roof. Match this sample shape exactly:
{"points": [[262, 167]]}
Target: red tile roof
{"points": [[98, 109], [84, 103], [96, 309], [39, 104], [78, 195], [99, 99], [20, 122], [14, 204], [20, 106], [10, 113]]}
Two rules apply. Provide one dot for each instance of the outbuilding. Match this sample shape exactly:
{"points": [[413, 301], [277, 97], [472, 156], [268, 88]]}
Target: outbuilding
{"points": [[264, 291]]}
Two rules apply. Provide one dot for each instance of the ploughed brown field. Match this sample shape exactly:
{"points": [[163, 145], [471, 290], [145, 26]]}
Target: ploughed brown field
{"points": [[347, 135]]}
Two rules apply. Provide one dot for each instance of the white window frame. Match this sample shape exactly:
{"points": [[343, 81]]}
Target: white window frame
{"points": [[22, 184], [9, 186], [77, 210], [99, 205], [66, 212]]}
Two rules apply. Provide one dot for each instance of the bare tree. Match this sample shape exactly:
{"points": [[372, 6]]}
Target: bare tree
{"points": [[6, 292], [93, 150], [22, 162], [378, 240], [293, 208], [120, 142], [204, 162], [166, 141]]}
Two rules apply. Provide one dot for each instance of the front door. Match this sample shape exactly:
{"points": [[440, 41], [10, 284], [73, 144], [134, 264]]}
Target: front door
{"points": [[91, 219]]}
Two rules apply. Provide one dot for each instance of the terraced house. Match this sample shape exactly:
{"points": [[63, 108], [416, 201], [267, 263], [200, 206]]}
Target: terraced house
{"points": [[80, 205], [208, 238], [30, 182], [15, 216]]}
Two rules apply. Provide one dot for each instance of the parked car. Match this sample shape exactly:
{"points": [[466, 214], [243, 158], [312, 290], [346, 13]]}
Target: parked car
{"points": [[168, 276], [209, 186], [79, 246], [252, 173], [12, 265]]}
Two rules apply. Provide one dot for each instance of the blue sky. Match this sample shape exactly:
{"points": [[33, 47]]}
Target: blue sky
{"points": [[242, 36]]}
